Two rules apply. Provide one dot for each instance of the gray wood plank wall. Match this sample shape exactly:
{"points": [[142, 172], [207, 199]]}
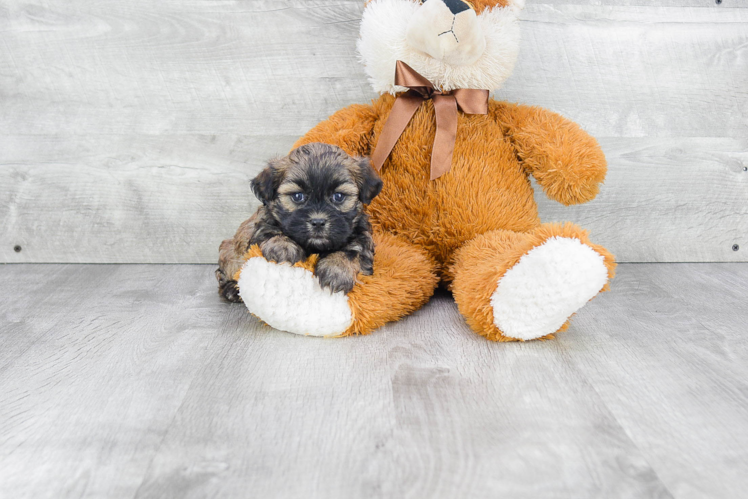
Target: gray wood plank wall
{"points": [[129, 130]]}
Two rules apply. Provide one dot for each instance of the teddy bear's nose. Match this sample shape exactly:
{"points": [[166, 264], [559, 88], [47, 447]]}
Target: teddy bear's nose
{"points": [[456, 6]]}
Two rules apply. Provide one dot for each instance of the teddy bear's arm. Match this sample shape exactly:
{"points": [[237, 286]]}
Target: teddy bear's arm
{"points": [[350, 129], [566, 161]]}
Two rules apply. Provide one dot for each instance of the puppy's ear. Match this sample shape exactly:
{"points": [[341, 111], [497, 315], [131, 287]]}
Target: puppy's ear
{"points": [[267, 182], [368, 181]]}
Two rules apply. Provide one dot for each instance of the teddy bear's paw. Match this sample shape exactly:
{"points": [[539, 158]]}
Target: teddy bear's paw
{"points": [[548, 284], [289, 298]]}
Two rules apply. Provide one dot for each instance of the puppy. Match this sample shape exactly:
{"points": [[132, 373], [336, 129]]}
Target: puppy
{"points": [[312, 203]]}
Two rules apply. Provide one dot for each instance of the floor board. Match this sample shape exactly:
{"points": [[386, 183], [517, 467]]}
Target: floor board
{"points": [[670, 361], [137, 381]]}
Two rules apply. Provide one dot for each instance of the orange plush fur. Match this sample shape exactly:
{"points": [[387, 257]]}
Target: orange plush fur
{"points": [[403, 281], [467, 228], [486, 193]]}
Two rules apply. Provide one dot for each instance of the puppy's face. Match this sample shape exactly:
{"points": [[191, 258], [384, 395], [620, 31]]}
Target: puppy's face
{"points": [[316, 194]]}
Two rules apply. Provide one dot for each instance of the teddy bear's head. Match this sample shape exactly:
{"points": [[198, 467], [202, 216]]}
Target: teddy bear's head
{"points": [[453, 43]]}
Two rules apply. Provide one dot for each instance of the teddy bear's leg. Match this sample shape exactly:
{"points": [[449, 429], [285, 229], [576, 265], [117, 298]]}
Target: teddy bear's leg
{"points": [[524, 286], [404, 279], [289, 297]]}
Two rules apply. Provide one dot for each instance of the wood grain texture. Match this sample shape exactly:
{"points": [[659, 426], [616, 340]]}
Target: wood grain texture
{"points": [[175, 198], [706, 4], [95, 362], [130, 129], [424, 408], [129, 198], [678, 384], [637, 71], [261, 67], [146, 384], [667, 200]]}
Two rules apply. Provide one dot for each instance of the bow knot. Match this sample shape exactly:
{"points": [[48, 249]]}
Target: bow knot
{"points": [[446, 103], [429, 93]]}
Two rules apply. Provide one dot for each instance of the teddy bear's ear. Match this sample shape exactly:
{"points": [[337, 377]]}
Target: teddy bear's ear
{"points": [[514, 5], [368, 181], [267, 182]]}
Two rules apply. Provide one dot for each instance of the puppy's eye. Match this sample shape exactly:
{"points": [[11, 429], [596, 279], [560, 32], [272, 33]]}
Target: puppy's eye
{"points": [[338, 197], [298, 197]]}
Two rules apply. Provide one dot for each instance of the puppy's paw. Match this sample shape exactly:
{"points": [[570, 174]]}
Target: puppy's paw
{"points": [[230, 292], [282, 249], [227, 288], [337, 273]]}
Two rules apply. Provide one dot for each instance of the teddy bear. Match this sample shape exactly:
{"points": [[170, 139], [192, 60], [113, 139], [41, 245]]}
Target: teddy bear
{"points": [[457, 208]]}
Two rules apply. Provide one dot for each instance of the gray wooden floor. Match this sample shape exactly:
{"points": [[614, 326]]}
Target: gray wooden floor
{"points": [[136, 380]]}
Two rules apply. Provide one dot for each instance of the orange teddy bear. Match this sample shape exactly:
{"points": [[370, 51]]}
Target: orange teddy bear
{"points": [[457, 206]]}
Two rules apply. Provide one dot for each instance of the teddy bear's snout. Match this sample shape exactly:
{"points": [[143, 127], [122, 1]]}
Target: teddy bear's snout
{"points": [[448, 30]]}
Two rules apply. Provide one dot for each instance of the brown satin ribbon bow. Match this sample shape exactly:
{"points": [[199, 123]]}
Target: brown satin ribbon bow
{"points": [[470, 101]]}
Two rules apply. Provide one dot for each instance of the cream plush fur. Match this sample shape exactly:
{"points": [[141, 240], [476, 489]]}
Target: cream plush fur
{"points": [[536, 296], [290, 299], [456, 39], [384, 29]]}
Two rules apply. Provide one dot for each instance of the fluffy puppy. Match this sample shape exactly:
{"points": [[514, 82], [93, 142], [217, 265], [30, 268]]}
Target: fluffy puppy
{"points": [[312, 203]]}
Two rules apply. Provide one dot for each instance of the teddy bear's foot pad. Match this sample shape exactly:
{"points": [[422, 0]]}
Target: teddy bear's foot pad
{"points": [[289, 298], [548, 284]]}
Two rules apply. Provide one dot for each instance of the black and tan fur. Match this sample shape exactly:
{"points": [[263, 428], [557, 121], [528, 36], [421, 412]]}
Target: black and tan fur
{"points": [[312, 203]]}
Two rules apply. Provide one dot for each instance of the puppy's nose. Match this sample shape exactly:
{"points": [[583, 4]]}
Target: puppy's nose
{"points": [[318, 223], [456, 6]]}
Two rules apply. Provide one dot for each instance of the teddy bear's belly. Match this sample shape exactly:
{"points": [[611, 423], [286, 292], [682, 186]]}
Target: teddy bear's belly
{"points": [[486, 189]]}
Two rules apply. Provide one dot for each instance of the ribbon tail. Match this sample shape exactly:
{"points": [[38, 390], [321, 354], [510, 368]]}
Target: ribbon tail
{"points": [[445, 107], [402, 111], [472, 101]]}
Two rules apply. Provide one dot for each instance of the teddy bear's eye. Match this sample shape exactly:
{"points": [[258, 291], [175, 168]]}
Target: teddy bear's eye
{"points": [[298, 197]]}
